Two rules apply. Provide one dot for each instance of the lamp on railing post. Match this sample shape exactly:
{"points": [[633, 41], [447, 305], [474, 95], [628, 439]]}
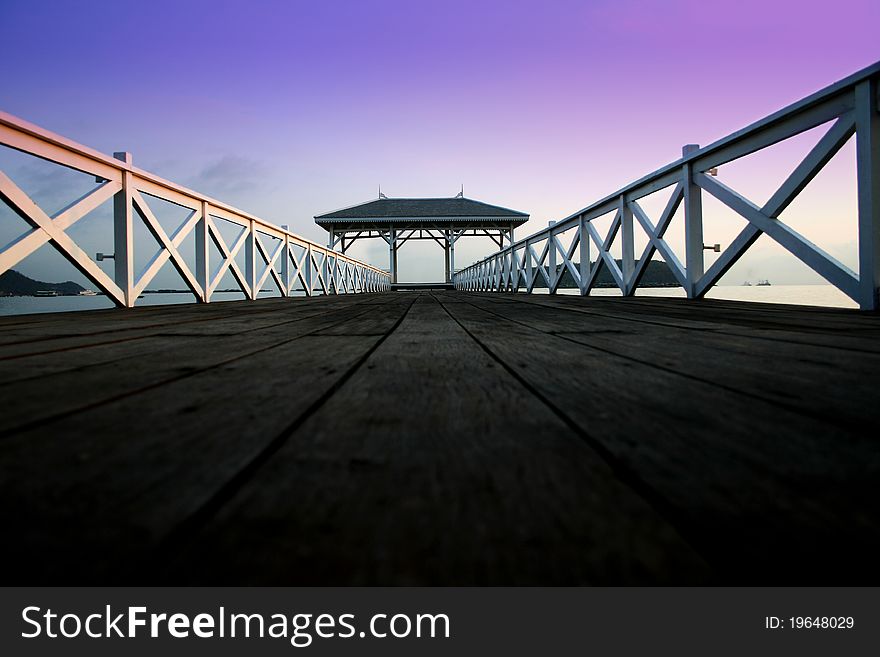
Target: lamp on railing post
{"points": [[693, 223]]}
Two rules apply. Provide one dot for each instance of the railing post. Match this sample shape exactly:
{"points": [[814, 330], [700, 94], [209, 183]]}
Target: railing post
{"points": [[511, 269], [551, 258], [203, 271], [693, 223], [530, 268], [285, 262], [627, 246], [250, 259], [514, 270], [584, 246], [123, 232], [868, 176], [308, 272], [502, 272]]}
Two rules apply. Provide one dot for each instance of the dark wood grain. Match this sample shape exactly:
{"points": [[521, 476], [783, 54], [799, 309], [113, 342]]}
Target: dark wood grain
{"points": [[441, 438]]}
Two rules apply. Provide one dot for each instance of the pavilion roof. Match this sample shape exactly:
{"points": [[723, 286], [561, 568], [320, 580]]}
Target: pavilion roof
{"points": [[458, 209]]}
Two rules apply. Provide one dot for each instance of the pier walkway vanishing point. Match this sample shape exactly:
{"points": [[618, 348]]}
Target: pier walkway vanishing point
{"points": [[441, 437], [466, 436]]}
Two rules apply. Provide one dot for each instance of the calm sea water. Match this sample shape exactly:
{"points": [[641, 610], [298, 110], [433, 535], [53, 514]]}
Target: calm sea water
{"points": [[807, 295]]}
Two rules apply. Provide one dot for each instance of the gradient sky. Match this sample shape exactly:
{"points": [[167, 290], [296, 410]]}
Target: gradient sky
{"points": [[290, 109]]}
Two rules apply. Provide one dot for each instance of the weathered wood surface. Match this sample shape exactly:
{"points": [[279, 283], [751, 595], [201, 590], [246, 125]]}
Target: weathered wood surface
{"points": [[441, 438]]}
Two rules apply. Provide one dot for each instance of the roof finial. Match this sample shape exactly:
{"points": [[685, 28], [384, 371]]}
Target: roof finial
{"points": [[461, 193], [381, 195]]}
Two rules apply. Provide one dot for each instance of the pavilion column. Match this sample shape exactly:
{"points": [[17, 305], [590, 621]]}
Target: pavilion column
{"points": [[452, 255], [392, 254], [331, 239], [446, 243]]}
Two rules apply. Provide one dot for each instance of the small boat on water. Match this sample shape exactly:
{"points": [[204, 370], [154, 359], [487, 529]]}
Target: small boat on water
{"points": [[88, 293], [747, 284], [763, 282], [46, 293]]}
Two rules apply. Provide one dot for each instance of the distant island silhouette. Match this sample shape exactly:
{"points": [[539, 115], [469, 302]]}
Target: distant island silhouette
{"points": [[16, 284]]}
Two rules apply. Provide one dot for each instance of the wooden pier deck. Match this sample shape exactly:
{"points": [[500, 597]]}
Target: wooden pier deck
{"points": [[437, 437]]}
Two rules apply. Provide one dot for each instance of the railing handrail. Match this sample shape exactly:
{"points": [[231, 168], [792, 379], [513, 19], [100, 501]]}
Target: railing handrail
{"points": [[102, 160], [851, 103], [707, 151]]}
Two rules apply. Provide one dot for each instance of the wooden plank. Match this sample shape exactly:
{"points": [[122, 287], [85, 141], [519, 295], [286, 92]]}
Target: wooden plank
{"points": [[88, 328], [822, 382], [179, 357], [850, 330], [498, 438], [110, 482], [433, 465], [763, 492], [781, 316]]}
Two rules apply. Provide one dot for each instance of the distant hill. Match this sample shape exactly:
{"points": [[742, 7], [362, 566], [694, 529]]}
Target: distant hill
{"points": [[15, 284], [656, 274]]}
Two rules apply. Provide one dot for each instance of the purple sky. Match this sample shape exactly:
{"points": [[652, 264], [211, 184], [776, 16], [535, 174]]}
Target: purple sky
{"points": [[289, 109]]}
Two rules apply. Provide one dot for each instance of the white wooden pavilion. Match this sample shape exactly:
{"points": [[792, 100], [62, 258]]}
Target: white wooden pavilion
{"points": [[398, 220]]}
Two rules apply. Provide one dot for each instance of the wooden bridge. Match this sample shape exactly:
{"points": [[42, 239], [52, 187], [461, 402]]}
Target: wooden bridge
{"points": [[441, 438], [479, 435]]}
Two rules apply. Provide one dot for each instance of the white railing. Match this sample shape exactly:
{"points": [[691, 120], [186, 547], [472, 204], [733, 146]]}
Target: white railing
{"points": [[851, 103], [303, 264]]}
